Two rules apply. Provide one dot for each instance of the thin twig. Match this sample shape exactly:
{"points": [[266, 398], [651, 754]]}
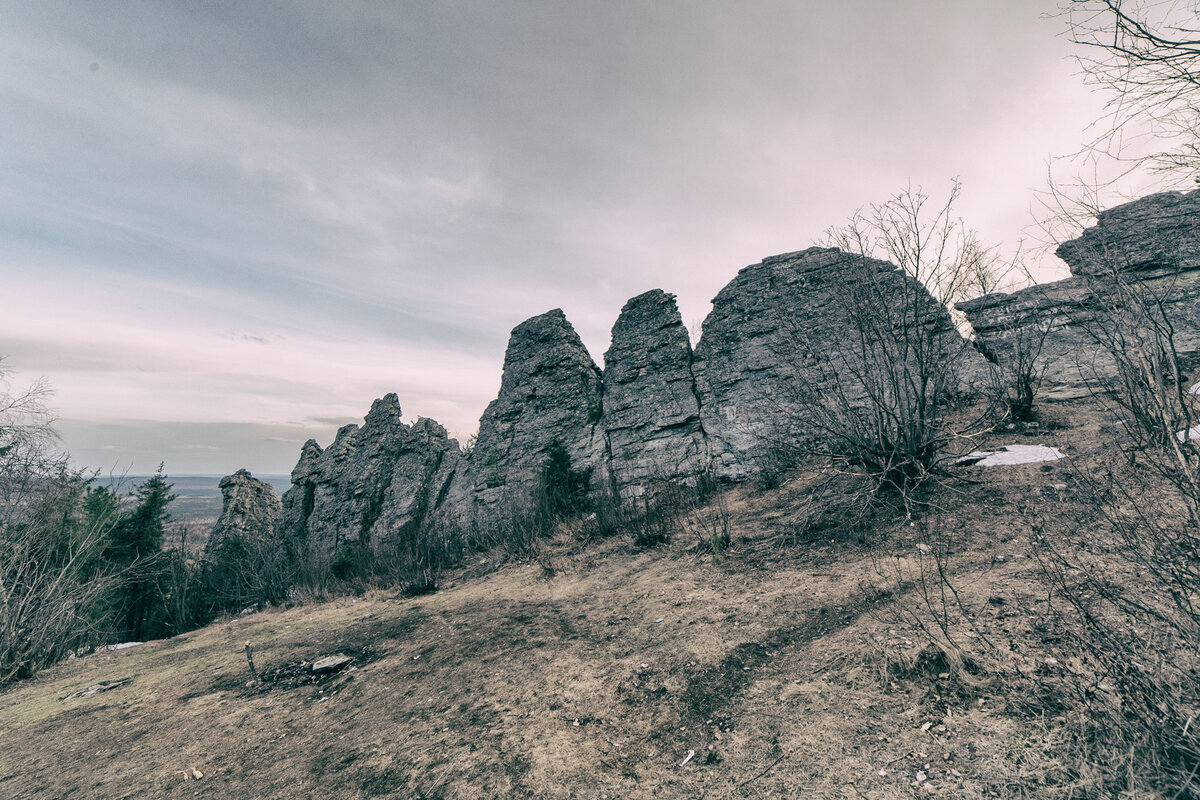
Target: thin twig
{"points": [[769, 767]]}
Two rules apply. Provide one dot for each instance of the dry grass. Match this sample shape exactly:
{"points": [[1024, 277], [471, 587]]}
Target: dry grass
{"points": [[593, 672]]}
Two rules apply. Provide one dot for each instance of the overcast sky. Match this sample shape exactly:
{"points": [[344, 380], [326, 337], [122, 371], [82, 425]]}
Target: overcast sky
{"points": [[226, 227]]}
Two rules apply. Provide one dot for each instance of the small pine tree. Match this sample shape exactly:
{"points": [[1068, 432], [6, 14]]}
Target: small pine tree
{"points": [[135, 550], [563, 487]]}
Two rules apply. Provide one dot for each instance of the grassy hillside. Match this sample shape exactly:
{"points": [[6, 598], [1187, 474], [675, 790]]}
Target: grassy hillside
{"points": [[800, 662]]}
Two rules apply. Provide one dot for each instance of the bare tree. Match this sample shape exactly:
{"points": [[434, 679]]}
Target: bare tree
{"points": [[1146, 55], [52, 580]]}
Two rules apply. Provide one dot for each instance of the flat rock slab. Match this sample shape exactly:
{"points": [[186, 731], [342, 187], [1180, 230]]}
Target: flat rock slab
{"points": [[1012, 454], [329, 664], [96, 688]]}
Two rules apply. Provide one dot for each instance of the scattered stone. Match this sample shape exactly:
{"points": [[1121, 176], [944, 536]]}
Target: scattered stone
{"points": [[329, 664], [96, 688]]}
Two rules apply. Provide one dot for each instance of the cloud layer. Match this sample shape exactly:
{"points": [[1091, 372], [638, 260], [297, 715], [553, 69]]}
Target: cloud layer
{"points": [[227, 224]]}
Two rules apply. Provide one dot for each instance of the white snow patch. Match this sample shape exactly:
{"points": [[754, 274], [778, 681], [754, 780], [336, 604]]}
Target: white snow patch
{"points": [[1013, 454], [1195, 388], [1190, 433]]}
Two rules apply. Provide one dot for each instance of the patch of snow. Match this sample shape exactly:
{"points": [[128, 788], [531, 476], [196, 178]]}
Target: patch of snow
{"points": [[121, 646], [1013, 454], [1195, 388], [1190, 433]]}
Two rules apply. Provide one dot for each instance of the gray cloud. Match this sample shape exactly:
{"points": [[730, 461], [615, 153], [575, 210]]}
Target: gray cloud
{"points": [[258, 213]]}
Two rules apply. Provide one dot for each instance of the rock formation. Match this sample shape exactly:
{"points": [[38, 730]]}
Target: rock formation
{"points": [[372, 485], [783, 331], [250, 510], [651, 409], [1152, 244], [551, 389], [787, 330]]}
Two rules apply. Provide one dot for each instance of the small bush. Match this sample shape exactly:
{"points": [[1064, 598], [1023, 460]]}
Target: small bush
{"points": [[562, 488], [351, 562]]}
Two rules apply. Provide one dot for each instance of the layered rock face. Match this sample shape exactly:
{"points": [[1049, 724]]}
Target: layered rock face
{"points": [[373, 485], [782, 332], [1151, 244], [651, 408], [659, 413], [789, 330], [551, 389], [250, 510]]}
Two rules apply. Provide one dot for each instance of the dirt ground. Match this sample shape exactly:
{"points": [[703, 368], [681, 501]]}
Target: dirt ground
{"points": [[782, 668]]}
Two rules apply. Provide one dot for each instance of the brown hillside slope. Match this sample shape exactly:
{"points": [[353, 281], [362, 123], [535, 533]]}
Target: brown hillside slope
{"points": [[783, 667]]}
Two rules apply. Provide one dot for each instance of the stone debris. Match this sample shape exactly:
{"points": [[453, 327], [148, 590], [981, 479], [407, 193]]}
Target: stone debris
{"points": [[96, 688], [331, 663]]}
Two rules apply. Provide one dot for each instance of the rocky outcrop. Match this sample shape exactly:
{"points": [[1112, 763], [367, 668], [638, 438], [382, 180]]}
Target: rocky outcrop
{"points": [[422, 482], [779, 332], [1158, 234], [373, 485], [551, 389], [1151, 245], [788, 331], [250, 511], [651, 408], [783, 332]]}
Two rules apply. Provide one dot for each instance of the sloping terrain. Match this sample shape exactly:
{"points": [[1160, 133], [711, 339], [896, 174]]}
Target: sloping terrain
{"points": [[789, 665]]}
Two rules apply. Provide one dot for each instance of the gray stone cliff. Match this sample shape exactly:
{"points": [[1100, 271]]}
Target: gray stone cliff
{"points": [[1152, 243], [372, 486], [661, 412], [784, 329], [551, 389], [651, 408]]}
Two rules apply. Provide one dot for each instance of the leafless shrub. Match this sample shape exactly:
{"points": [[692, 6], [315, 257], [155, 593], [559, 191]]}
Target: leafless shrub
{"points": [[1127, 581], [1021, 368], [52, 581], [876, 403], [929, 601], [240, 571], [707, 519]]}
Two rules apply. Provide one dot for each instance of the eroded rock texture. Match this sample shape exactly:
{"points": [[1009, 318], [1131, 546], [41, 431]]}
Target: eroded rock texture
{"points": [[250, 511], [551, 389], [1149, 245], [651, 408], [789, 329], [374, 485]]}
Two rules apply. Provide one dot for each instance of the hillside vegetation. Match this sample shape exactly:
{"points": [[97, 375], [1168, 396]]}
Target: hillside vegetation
{"points": [[816, 656]]}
